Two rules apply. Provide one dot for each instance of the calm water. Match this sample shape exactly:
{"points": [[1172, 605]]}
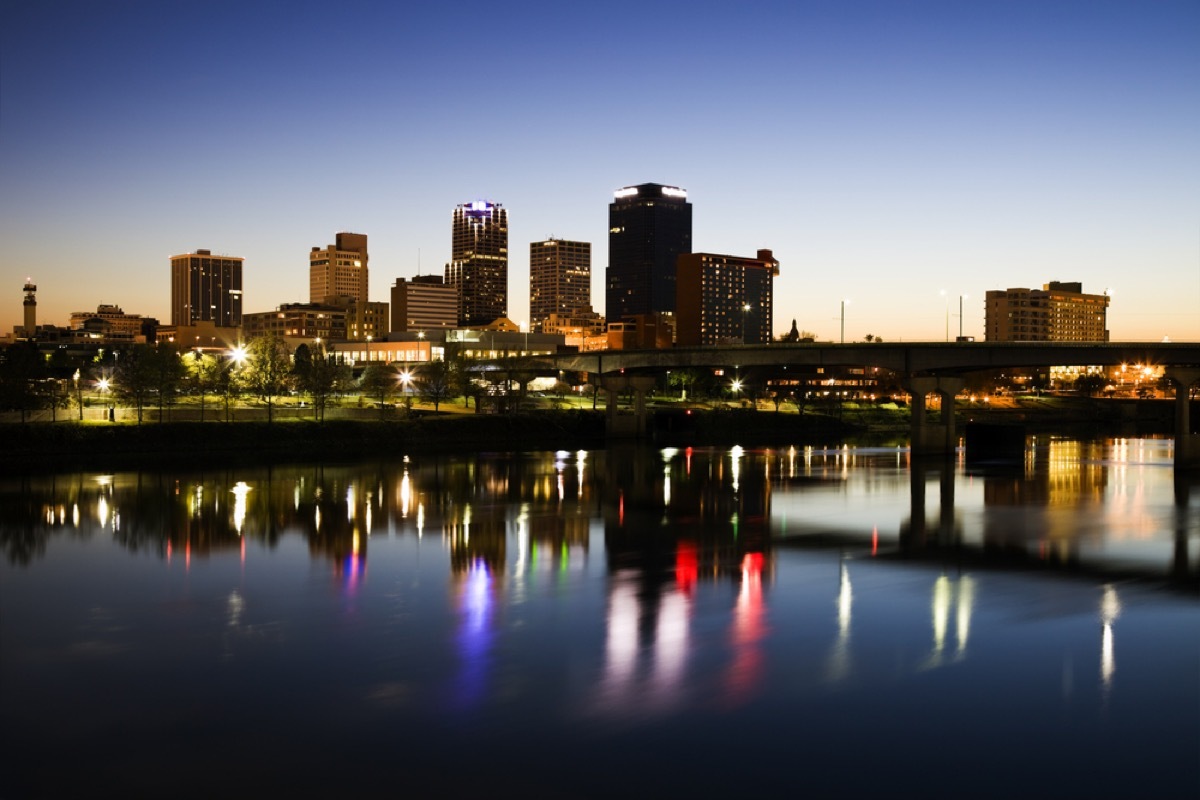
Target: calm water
{"points": [[678, 623]]}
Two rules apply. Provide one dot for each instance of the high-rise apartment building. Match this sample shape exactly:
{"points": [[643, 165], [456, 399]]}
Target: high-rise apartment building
{"points": [[649, 227], [478, 268], [722, 299], [206, 288], [339, 269], [1058, 312], [422, 303], [560, 279]]}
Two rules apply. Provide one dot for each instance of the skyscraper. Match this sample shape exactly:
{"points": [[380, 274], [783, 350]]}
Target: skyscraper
{"points": [[339, 269], [206, 288], [478, 267], [560, 279], [725, 298], [649, 227]]}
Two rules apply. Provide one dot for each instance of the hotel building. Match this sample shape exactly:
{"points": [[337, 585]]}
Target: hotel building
{"points": [[1058, 312], [724, 299], [424, 302]]}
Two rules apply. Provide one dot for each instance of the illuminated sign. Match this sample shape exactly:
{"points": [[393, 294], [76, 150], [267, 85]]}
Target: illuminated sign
{"points": [[671, 191], [628, 191]]}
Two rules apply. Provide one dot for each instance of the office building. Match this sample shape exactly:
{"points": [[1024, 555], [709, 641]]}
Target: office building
{"points": [[298, 320], [206, 288], [338, 273], [1058, 312], [478, 269], [560, 279], [724, 299], [424, 302], [649, 227], [338, 269], [112, 323]]}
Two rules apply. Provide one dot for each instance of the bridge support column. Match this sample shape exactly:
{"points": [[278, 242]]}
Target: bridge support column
{"points": [[1187, 444], [925, 438], [625, 425]]}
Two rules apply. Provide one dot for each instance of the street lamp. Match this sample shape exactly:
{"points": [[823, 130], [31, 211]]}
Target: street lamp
{"points": [[960, 315], [745, 314], [369, 337], [78, 396], [844, 302]]}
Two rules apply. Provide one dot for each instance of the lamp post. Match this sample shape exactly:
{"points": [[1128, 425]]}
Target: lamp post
{"points": [[745, 314], [78, 395], [844, 302], [960, 315], [369, 337]]}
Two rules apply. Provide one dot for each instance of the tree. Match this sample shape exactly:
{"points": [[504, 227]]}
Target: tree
{"points": [[435, 382], [168, 373], [1090, 385], [379, 381], [203, 371], [319, 376], [268, 370], [134, 377], [20, 370], [683, 379]]}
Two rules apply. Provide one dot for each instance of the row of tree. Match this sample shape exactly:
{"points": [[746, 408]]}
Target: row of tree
{"points": [[145, 376]]}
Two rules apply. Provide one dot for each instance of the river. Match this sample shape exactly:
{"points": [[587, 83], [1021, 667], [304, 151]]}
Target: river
{"points": [[629, 622]]}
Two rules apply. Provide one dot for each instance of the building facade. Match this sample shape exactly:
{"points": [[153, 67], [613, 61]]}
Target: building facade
{"points": [[1058, 312], [206, 288], [724, 299], [109, 321], [478, 268], [560, 279], [424, 302], [303, 320], [339, 269], [649, 227]]}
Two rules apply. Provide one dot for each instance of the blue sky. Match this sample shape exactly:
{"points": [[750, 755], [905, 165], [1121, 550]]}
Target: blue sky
{"points": [[887, 152]]}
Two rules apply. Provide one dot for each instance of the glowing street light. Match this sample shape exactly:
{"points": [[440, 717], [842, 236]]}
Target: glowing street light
{"points": [[745, 313], [238, 354]]}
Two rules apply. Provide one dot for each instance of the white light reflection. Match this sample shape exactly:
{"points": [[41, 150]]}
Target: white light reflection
{"points": [[75, 514], [736, 455], [350, 502], [966, 608], [102, 511], [580, 460], [405, 494], [240, 490], [839, 657], [1110, 609], [420, 520]]}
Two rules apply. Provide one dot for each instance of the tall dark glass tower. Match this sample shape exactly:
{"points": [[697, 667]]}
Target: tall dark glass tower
{"points": [[649, 226], [479, 262]]}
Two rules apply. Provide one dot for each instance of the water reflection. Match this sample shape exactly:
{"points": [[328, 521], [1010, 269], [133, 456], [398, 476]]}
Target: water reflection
{"points": [[632, 584]]}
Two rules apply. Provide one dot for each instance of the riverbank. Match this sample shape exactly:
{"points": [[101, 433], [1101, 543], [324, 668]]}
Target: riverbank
{"points": [[68, 444]]}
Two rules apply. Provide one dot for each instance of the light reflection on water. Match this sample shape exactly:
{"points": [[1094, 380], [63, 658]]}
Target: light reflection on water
{"points": [[785, 609]]}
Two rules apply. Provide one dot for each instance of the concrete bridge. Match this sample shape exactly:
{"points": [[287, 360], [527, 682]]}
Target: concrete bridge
{"points": [[924, 368]]}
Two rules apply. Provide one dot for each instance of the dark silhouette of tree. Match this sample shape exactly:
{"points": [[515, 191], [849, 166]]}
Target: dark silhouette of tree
{"points": [[379, 382], [435, 382], [21, 369], [319, 375], [168, 372]]}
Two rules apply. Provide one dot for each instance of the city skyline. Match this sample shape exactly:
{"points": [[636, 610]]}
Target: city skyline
{"points": [[898, 156]]}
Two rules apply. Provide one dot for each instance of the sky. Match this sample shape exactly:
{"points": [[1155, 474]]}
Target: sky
{"points": [[894, 155]]}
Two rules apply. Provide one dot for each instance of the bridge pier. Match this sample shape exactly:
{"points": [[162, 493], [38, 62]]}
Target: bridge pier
{"points": [[626, 425], [1187, 444], [926, 438]]}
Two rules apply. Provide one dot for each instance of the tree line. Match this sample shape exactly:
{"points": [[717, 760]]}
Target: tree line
{"points": [[158, 376]]}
